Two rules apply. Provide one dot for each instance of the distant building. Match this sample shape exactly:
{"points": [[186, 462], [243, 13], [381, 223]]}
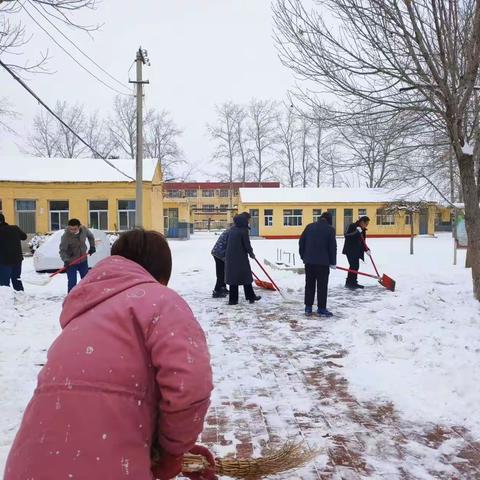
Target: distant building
{"points": [[206, 205], [41, 194], [284, 212]]}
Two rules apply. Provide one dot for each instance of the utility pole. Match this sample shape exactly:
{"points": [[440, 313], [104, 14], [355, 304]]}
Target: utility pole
{"points": [[141, 59]]}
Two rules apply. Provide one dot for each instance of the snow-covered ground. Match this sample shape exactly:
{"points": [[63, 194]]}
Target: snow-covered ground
{"points": [[414, 352]]}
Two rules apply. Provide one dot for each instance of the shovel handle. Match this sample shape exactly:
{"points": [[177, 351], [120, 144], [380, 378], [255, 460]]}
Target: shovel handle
{"points": [[63, 269], [371, 258], [377, 277], [268, 276]]}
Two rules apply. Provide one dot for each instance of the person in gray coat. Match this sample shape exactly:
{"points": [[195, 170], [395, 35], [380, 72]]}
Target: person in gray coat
{"points": [[73, 246], [237, 265]]}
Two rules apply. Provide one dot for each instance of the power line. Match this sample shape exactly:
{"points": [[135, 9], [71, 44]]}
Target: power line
{"points": [[44, 105], [73, 43], [70, 55]]}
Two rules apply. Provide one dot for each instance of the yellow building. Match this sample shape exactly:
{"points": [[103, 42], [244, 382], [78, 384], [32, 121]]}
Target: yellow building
{"points": [[206, 205], [284, 212], [41, 194]]}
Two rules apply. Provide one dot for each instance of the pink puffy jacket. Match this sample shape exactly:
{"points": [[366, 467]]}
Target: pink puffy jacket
{"points": [[131, 362]]}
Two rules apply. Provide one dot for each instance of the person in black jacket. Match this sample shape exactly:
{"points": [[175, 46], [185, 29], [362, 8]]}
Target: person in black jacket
{"points": [[237, 265], [318, 250], [355, 248], [11, 256]]}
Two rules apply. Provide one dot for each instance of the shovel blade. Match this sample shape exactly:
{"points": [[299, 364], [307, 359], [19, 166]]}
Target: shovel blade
{"points": [[264, 285], [387, 282], [39, 280]]}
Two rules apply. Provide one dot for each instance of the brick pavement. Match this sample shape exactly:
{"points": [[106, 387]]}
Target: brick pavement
{"points": [[276, 378]]}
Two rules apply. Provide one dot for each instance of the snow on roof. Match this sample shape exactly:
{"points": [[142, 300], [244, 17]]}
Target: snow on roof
{"points": [[38, 169], [321, 195]]}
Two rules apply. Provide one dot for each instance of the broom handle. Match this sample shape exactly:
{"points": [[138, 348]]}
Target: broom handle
{"points": [[357, 272], [371, 258], [268, 276], [255, 276], [63, 269]]}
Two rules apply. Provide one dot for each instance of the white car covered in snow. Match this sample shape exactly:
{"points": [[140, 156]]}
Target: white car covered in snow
{"points": [[47, 258]]}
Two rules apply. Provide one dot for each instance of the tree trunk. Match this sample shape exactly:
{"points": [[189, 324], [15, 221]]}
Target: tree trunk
{"points": [[412, 231], [472, 217]]}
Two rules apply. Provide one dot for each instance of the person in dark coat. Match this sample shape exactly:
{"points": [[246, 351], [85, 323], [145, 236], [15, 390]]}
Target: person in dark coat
{"points": [[355, 248], [237, 265], [11, 256], [218, 252], [318, 250]]}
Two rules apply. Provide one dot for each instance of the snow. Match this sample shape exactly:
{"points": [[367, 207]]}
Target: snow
{"points": [[323, 195], [414, 352], [36, 169], [467, 149]]}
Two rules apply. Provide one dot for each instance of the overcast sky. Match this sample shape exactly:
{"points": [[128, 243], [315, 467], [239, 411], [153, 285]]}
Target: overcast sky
{"points": [[203, 52]]}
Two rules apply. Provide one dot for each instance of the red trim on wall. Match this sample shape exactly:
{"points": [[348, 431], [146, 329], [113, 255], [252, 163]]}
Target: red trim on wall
{"points": [[217, 185], [289, 237]]}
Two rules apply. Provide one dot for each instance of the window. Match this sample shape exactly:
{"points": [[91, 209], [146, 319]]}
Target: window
{"points": [[25, 212], [190, 193], [224, 206], [268, 217], [408, 218], [362, 212], [174, 193], [126, 215], [208, 193], [58, 214], [98, 214], [384, 218], [224, 193], [316, 214], [236, 192], [292, 218], [209, 207]]}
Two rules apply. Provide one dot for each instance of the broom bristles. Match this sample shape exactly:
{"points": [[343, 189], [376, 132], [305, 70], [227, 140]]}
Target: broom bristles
{"points": [[290, 456]]}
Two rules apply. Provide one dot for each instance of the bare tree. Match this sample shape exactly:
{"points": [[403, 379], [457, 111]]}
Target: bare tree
{"points": [[304, 132], [263, 116], [99, 136], [287, 144], [43, 140], [161, 141], [6, 113], [123, 125], [419, 56], [68, 145], [320, 139], [243, 143]]}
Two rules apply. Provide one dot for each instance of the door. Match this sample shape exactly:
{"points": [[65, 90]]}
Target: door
{"points": [[347, 218], [254, 222], [170, 216], [333, 213], [423, 228]]}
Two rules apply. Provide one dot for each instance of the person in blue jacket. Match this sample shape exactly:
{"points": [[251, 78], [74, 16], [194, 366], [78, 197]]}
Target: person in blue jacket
{"points": [[318, 250], [218, 252]]}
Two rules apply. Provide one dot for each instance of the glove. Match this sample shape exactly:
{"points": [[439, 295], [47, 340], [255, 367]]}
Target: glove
{"points": [[168, 466], [252, 256], [359, 229], [92, 250], [333, 267], [207, 473]]}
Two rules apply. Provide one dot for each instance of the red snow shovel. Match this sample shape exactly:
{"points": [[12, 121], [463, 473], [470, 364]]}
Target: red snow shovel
{"points": [[45, 280], [262, 283], [273, 284], [384, 280]]}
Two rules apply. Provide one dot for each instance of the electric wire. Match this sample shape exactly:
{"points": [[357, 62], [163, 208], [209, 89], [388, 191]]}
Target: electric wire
{"points": [[70, 55], [44, 105], [74, 44]]}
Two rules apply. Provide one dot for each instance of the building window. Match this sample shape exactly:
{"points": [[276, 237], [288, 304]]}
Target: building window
{"points": [[98, 214], [209, 207], [126, 214], [224, 193], [362, 212], [208, 193], [224, 207], [316, 214], [190, 193], [292, 218], [268, 217], [25, 212], [236, 192], [408, 219], [174, 193], [59, 213], [384, 218]]}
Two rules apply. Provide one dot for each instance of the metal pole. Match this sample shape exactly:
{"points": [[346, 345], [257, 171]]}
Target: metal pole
{"points": [[139, 155]]}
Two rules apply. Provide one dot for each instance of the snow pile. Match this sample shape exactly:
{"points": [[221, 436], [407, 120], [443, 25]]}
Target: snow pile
{"points": [[36, 241], [112, 238]]}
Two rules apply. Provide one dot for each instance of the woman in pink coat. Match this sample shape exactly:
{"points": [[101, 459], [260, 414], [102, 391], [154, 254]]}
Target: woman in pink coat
{"points": [[129, 370]]}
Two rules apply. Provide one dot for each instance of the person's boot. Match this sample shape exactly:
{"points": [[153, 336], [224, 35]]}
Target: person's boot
{"points": [[308, 310], [350, 285], [323, 312], [254, 299], [357, 285], [219, 294], [224, 290]]}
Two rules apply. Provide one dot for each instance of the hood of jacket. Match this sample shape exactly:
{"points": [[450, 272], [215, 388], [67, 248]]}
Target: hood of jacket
{"points": [[240, 221], [108, 278]]}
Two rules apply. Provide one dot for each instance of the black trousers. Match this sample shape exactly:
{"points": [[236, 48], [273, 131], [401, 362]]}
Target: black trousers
{"points": [[233, 294], [354, 263], [11, 273], [316, 277], [220, 272]]}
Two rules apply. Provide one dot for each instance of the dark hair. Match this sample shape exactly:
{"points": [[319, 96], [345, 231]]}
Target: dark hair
{"points": [[147, 248], [2, 218], [74, 222], [364, 218], [246, 215], [327, 216]]}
